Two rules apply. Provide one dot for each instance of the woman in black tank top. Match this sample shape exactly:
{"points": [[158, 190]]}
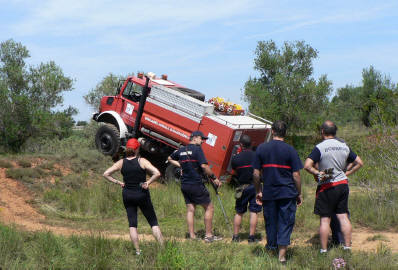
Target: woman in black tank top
{"points": [[135, 189]]}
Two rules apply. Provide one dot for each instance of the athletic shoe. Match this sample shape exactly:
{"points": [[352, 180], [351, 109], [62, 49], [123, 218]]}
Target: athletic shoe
{"points": [[210, 239], [235, 238], [251, 239], [347, 250]]}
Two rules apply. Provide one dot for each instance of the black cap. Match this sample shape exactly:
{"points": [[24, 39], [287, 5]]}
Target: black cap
{"points": [[198, 133], [245, 140]]}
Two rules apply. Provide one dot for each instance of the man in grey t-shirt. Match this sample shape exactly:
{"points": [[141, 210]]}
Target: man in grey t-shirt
{"points": [[332, 156]]}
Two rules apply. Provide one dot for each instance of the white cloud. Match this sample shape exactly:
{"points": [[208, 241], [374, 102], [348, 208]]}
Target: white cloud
{"points": [[77, 17], [340, 16]]}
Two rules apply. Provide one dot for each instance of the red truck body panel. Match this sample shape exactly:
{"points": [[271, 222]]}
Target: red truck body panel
{"points": [[175, 116]]}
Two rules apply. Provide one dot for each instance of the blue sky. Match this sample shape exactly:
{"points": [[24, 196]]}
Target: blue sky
{"points": [[204, 45]]}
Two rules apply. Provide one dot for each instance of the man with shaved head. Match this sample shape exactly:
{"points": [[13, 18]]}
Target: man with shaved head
{"points": [[332, 156]]}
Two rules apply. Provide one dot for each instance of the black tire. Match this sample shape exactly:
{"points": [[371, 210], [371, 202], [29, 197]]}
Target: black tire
{"points": [[107, 139], [172, 173], [190, 92]]}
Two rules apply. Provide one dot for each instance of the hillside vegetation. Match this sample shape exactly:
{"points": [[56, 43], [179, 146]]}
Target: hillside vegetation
{"points": [[65, 177]]}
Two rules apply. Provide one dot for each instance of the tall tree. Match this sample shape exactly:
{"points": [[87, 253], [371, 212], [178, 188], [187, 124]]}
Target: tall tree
{"points": [[378, 98], [285, 89], [345, 107], [373, 102], [27, 96], [106, 87]]}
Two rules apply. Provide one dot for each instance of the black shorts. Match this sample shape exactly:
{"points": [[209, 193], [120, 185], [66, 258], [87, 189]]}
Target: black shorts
{"points": [[331, 201], [195, 194], [248, 198], [133, 198]]}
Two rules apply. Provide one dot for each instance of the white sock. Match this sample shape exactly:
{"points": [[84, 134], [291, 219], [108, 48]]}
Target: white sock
{"points": [[323, 251], [346, 248]]}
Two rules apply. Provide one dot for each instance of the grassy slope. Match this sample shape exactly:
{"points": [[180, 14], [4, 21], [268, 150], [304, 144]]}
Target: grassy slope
{"points": [[82, 199]]}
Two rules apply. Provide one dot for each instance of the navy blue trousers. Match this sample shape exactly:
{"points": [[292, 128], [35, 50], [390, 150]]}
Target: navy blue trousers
{"points": [[279, 217], [337, 235]]}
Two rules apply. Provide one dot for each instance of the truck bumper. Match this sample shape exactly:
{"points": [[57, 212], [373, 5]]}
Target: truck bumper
{"points": [[95, 116]]}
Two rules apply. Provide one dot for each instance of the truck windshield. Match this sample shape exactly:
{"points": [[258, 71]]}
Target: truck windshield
{"points": [[132, 91]]}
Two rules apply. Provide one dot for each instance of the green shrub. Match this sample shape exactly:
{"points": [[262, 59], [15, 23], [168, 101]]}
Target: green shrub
{"points": [[303, 144], [24, 163], [56, 172], [29, 175], [71, 182], [54, 195], [47, 165], [78, 142], [89, 160], [5, 164]]}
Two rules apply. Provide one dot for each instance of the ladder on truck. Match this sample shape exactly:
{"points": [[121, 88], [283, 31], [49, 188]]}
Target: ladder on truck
{"points": [[179, 103], [195, 109]]}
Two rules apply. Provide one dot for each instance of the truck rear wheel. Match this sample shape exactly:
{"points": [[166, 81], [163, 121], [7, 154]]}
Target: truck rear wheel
{"points": [[107, 139], [172, 173]]}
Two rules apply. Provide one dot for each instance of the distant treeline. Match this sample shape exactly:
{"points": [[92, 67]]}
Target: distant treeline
{"points": [[286, 90]]}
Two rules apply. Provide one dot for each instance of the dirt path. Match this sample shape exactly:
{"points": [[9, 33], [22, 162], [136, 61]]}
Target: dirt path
{"points": [[16, 208]]}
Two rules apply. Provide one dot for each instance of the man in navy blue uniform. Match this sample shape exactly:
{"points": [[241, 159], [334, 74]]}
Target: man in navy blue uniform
{"points": [[280, 166], [243, 168], [193, 164]]}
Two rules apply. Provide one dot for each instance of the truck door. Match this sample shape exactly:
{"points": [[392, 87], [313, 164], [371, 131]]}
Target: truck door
{"points": [[128, 102]]}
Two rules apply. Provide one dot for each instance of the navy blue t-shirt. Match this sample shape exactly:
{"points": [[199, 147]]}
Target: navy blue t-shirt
{"points": [[191, 157], [242, 164], [278, 160]]}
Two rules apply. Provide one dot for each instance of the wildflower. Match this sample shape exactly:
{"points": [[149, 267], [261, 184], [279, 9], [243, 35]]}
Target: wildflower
{"points": [[338, 263]]}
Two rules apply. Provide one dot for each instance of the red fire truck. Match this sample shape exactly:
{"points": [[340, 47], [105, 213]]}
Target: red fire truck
{"points": [[162, 114]]}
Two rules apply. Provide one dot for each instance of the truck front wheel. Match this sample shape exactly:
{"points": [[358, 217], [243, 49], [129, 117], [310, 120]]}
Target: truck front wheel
{"points": [[107, 139]]}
